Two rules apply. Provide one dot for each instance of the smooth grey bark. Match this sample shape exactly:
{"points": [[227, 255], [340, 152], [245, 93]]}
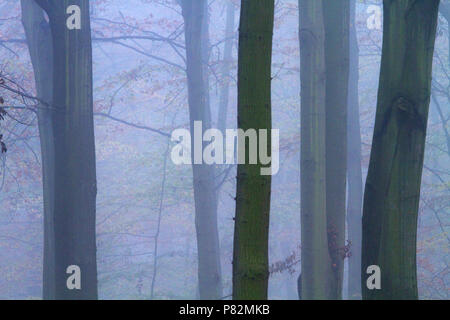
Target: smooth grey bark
{"points": [[226, 66], [313, 284], [354, 171], [209, 269], [38, 35], [73, 223], [336, 21]]}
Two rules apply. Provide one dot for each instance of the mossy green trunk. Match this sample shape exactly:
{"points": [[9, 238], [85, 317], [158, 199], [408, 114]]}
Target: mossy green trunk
{"points": [[315, 258], [392, 192], [73, 223], [209, 269], [251, 233]]}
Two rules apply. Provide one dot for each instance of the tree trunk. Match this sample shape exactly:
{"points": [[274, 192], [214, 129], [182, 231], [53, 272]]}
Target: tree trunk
{"points": [[73, 229], [251, 232], [315, 258], [38, 35], [226, 66], [392, 192], [336, 21], [354, 173], [209, 269]]}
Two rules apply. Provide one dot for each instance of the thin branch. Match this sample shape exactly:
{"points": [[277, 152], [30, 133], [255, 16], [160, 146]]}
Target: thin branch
{"points": [[138, 126]]}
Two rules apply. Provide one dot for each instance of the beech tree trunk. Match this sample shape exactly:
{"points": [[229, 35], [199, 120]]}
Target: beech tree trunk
{"points": [[38, 35], [226, 66], [209, 269], [315, 258], [251, 232], [392, 192], [72, 227], [354, 171], [336, 21]]}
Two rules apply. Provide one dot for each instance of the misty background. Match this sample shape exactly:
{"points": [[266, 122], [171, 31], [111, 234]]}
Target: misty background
{"points": [[146, 242]]}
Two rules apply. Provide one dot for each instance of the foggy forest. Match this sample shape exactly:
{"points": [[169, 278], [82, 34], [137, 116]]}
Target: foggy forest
{"points": [[224, 150]]}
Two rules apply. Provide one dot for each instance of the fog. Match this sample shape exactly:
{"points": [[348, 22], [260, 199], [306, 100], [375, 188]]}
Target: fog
{"points": [[146, 238]]}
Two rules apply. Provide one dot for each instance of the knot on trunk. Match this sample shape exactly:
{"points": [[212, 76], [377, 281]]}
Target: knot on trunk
{"points": [[409, 114]]}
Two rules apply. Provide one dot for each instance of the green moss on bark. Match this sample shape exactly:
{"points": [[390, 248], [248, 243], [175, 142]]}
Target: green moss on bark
{"points": [[392, 192]]}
